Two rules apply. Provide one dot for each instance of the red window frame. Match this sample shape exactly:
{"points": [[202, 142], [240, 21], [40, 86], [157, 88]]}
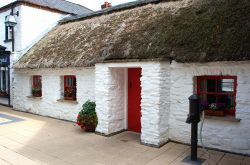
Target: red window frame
{"points": [[37, 83], [199, 92], [71, 87]]}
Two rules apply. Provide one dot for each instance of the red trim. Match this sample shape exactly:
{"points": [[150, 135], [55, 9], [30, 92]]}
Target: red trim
{"points": [[37, 84], [70, 87], [199, 92], [37, 81]]}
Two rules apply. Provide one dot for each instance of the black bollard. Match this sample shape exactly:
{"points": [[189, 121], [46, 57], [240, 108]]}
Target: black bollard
{"points": [[194, 118], [194, 141]]}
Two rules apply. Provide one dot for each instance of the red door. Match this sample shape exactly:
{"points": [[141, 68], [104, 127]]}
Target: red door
{"points": [[134, 99]]}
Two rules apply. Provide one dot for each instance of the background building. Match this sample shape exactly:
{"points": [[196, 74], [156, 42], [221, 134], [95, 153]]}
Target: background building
{"points": [[34, 18]]}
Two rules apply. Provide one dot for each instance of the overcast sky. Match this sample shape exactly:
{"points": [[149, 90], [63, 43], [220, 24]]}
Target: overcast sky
{"points": [[91, 4]]}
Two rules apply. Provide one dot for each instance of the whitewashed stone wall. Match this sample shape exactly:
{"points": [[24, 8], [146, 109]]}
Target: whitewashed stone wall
{"points": [[52, 85], [165, 89], [111, 99], [117, 92], [155, 103], [225, 135]]}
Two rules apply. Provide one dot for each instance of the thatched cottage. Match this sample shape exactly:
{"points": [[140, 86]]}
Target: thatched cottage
{"points": [[140, 62]]}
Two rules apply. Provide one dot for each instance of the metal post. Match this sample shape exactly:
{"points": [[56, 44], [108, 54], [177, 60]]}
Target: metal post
{"points": [[194, 141], [194, 118], [9, 85]]}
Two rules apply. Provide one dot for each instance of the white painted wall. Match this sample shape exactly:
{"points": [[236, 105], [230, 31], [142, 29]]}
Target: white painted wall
{"points": [[165, 89], [31, 23], [52, 86], [117, 93], [111, 96], [155, 103], [225, 135], [34, 22]]}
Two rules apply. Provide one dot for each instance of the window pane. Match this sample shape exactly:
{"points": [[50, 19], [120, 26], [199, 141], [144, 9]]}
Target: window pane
{"points": [[69, 82], [37, 81], [203, 85], [211, 99], [211, 85], [10, 33], [226, 101], [207, 100], [226, 85]]}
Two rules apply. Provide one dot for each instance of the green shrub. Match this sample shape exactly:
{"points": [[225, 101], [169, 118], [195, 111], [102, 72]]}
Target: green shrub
{"points": [[87, 118]]}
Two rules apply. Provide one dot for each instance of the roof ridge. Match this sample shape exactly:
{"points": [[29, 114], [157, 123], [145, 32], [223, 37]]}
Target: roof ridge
{"points": [[119, 7], [77, 4]]}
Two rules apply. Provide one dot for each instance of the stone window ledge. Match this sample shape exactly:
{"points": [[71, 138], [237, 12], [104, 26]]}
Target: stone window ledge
{"points": [[33, 97], [224, 118], [67, 101]]}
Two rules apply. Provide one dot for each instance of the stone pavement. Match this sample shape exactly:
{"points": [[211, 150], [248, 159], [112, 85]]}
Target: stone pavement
{"points": [[27, 139]]}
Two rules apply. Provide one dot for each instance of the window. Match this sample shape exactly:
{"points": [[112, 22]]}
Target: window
{"points": [[70, 87], [8, 33], [37, 86], [217, 93]]}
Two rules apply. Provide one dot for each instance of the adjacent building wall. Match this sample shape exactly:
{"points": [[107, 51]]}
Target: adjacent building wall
{"points": [[34, 22], [226, 135], [31, 23], [52, 91]]}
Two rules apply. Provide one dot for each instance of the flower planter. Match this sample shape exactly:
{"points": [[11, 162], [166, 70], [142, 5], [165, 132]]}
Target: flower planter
{"points": [[214, 112], [87, 118], [68, 98], [36, 95], [89, 128], [3, 94]]}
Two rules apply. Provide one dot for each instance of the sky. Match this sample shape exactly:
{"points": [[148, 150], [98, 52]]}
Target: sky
{"points": [[91, 4]]}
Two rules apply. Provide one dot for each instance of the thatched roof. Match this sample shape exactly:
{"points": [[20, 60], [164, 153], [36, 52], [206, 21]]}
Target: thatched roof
{"points": [[186, 31]]}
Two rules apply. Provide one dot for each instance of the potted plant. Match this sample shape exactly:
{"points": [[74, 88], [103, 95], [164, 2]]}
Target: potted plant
{"points": [[213, 109], [69, 94], [3, 93], [87, 118], [36, 92]]}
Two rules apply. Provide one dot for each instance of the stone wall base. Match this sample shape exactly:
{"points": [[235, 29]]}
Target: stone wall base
{"points": [[111, 134]]}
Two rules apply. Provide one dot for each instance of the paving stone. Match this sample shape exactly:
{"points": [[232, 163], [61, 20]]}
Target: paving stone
{"points": [[42, 140]]}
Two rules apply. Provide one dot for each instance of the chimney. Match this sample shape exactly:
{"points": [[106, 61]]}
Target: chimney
{"points": [[106, 5]]}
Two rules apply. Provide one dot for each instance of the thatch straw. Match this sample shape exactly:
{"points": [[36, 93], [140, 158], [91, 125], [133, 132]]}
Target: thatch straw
{"points": [[186, 31]]}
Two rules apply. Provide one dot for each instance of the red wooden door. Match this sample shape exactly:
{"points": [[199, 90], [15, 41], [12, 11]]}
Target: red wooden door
{"points": [[134, 99]]}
